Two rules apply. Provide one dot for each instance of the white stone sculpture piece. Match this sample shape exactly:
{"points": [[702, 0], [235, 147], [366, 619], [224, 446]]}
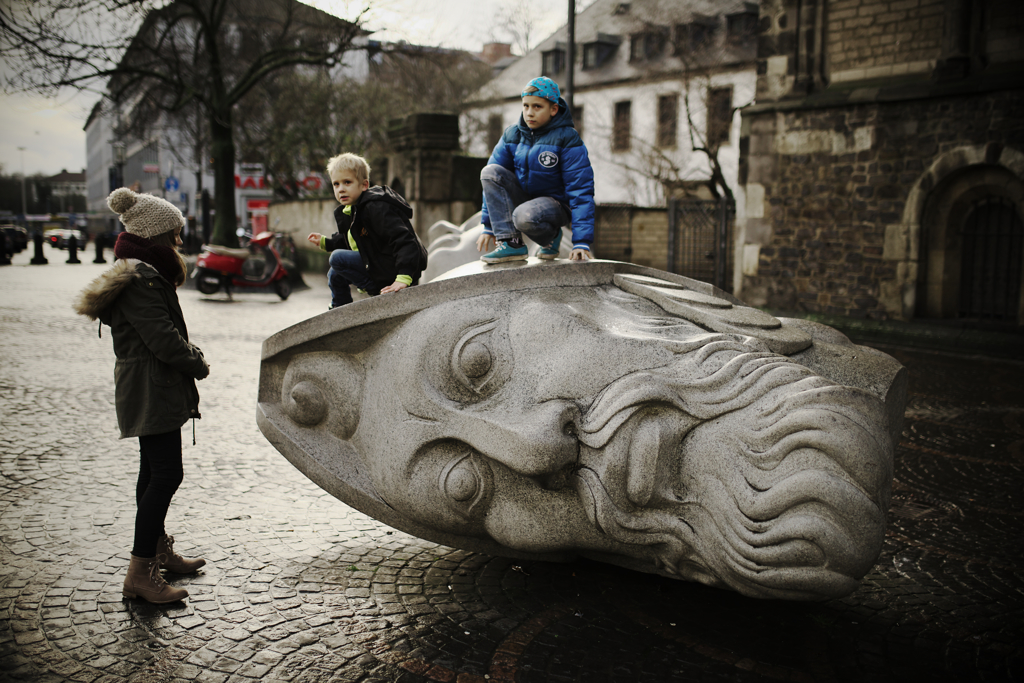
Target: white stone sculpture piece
{"points": [[550, 410], [452, 246]]}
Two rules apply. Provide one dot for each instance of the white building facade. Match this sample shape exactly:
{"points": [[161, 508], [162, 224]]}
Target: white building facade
{"points": [[653, 80]]}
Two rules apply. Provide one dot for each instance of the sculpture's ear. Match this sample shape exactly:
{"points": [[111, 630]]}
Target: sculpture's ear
{"points": [[311, 376], [324, 388]]}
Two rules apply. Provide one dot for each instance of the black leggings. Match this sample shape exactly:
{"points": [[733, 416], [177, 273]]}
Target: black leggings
{"points": [[160, 474]]}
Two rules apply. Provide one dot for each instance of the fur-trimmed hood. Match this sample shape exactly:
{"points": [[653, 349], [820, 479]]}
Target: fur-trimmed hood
{"points": [[99, 294]]}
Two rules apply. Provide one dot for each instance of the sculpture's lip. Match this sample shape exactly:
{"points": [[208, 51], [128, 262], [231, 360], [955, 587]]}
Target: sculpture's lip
{"points": [[586, 478], [640, 453]]}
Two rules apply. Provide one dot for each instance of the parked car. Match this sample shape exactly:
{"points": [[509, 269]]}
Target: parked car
{"points": [[59, 237], [16, 236]]}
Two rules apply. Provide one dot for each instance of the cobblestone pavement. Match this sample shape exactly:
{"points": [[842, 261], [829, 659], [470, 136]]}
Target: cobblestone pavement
{"points": [[301, 588]]}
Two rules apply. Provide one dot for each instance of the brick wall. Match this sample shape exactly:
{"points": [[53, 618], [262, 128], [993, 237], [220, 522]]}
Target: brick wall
{"points": [[650, 235], [872, 38], [632, 234], [833, 180]]}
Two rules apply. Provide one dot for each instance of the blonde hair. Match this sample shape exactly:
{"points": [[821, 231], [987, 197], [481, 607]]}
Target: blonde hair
{"points": [[166, 239], [349, 162]]}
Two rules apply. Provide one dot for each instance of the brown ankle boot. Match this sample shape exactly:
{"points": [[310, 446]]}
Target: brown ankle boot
{"points": [[176, 564], [144, 581]]}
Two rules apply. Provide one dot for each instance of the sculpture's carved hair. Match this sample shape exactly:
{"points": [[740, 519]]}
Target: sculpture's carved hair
{"points": [[781, 489]]}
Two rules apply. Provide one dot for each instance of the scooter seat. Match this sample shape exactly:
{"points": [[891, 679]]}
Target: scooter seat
{"points": [[226, 251]]}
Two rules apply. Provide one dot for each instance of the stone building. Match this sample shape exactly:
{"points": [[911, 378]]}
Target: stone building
{"points": [[883, 161]]}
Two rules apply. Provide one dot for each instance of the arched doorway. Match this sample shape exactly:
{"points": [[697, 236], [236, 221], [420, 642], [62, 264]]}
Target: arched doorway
{"points": [[972, 242], [991, 254]]}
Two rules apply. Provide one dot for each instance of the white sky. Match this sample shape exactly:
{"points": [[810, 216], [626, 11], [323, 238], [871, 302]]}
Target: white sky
{"points": [[52, 130]]}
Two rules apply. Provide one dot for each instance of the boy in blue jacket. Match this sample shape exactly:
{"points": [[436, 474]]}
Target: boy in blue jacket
{"points": [[538, 179]]}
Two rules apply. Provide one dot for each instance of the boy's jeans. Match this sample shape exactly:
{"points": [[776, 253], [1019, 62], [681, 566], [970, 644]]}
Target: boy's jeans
{"points": [[347, 268], [512, 211]]}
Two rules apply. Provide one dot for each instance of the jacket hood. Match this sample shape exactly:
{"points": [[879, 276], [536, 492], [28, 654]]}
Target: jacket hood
{"points": [[99, 294], [563, 119], [383, 193]]}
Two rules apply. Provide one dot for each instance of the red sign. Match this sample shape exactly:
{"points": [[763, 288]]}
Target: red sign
{"points": [[151, 168], [258, 206], [250, 182]]}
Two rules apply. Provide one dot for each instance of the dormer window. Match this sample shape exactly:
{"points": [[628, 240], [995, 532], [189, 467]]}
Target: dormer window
{"points": [[622, 8], [741, 28], [597, 52], [648, 45], [553, 62], [696, 36]]}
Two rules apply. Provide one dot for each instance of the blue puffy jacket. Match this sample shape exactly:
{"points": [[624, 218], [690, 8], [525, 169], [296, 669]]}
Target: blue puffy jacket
{"points": [[562, 173]]}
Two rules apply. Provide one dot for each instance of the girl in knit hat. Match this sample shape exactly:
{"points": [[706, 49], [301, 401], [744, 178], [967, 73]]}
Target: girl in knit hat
{"points": [[154, 374]]}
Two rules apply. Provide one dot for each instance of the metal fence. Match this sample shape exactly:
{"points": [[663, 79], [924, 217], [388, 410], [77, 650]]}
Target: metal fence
{"points": [[699, 238]]}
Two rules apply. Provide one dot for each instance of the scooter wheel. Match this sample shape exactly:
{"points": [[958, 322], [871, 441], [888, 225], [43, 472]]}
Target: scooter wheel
{"points": [[208, 284], [283, 289]]}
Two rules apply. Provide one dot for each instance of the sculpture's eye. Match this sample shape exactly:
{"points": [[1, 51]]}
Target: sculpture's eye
{"points": [[473, 362], [462, 482], [467, 483]]}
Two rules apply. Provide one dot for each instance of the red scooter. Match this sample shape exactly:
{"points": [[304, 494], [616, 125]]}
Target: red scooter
{"points": [[257, 266]]}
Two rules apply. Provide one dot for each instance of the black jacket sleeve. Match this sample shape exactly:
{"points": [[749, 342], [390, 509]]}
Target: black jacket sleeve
{"points": [[339, 240], [397, 237]]}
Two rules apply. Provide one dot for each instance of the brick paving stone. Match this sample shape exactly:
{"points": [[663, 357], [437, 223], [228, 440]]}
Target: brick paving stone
{"points": [[301, 588]]}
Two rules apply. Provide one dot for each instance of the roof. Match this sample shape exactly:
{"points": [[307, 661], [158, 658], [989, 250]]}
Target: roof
{"points": [[65, 177], [612, 23]]}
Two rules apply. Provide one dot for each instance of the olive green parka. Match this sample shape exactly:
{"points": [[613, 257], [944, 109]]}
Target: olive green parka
{"points": [[156, 367]]}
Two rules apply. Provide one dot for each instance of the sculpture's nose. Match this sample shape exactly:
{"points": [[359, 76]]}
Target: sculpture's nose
{"points": [[536, 441]]}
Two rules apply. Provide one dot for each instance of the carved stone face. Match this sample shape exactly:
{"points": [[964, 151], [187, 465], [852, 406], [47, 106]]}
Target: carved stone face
{"points": [[586, 420]]}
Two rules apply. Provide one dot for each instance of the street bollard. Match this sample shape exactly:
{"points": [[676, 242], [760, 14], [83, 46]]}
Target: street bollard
{"points": [[73, 250], [99, 249], [5, 260], [38, 259]]}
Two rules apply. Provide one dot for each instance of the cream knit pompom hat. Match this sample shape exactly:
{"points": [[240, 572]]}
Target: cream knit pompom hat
{"points": [[143, 214]]}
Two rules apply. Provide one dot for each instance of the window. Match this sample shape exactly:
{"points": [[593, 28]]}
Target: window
{"points": [[494, 130], [647, 45], [719, 116], [597, 52], [741, 28], [553, 62], [696, 36], [621, 132], [668, 114]]}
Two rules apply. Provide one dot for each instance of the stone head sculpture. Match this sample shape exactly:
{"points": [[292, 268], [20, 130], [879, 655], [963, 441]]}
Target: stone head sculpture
{"points": [[603, 410]]}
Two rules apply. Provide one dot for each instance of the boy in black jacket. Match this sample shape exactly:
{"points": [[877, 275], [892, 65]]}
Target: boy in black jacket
{"points": [[375, 248]]}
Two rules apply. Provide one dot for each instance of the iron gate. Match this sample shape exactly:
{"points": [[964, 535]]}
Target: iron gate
{"points": [[992, 240], [699, 239]]}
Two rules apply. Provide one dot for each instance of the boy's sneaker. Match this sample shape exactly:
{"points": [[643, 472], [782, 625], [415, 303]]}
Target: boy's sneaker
{"points": [[506, 252], [550, 252]]}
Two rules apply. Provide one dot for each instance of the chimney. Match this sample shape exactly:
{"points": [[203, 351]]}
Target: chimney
{"points": [[493, 53]]}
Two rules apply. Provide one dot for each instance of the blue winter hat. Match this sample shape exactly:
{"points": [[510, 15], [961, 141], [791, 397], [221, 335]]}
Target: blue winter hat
{"points": [[545, 87]]}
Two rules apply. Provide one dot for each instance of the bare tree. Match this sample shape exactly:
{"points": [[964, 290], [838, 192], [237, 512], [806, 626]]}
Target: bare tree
{"points": [[311, 117], [517, 19], [151, 57]]}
